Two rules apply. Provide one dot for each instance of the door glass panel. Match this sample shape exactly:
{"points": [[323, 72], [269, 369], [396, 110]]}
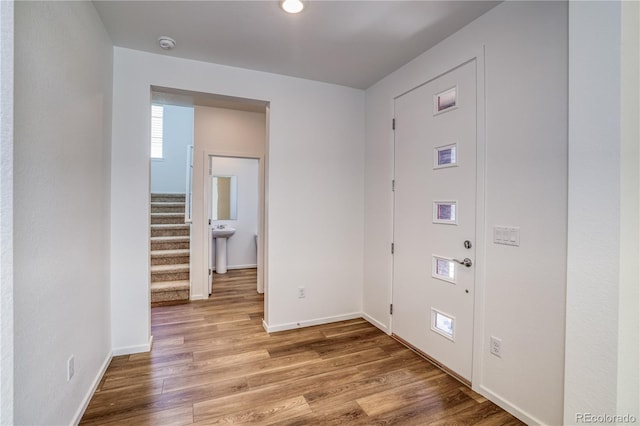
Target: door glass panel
{"points": [[442, 324], [444, 212], [445, 156], [445, 101], [444, 269]]}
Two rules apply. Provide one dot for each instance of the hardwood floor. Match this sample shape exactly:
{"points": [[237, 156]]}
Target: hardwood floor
{"points": [[212, 362]]}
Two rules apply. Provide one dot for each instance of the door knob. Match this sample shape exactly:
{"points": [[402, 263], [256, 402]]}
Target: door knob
{"points": [[466, 262]]}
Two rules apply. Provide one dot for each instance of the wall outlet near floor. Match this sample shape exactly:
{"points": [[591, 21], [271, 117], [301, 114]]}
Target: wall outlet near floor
{"points": [[496, 346], [71, 367], [301, 293]]}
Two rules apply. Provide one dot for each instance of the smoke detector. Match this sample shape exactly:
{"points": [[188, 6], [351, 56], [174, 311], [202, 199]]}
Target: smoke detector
{"points": [[167, 43]]}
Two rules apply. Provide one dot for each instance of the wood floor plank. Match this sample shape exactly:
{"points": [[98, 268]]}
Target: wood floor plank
{"points": [[213, 363], [275, 413]]}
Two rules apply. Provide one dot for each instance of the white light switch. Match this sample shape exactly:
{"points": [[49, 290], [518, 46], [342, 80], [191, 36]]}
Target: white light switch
{"points": [[508, 235]]}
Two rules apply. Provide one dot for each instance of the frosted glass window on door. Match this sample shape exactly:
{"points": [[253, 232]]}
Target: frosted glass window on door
{"points": [[443, 269], [444, 212], [445, 156], [445, 101], [442, 324]]}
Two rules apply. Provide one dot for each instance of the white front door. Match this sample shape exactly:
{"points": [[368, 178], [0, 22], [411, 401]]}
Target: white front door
{"points": [[435, 218]]}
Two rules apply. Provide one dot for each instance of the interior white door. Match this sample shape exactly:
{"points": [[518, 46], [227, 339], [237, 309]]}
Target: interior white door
{"points": [[435, 218]]}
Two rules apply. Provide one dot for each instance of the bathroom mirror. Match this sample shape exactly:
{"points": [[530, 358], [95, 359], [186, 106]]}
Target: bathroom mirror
{"points": [[224, 198]]}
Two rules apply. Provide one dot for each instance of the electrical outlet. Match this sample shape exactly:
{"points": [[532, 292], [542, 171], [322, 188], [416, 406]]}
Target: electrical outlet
{"points": [[71, 367], [301, 293], [496, 346]]}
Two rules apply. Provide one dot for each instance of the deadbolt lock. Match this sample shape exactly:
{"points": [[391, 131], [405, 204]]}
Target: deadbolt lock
{"points": [[467, 244]]}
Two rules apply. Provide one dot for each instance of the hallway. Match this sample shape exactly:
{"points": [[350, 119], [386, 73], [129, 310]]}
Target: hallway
{"points": [[212, 362]]}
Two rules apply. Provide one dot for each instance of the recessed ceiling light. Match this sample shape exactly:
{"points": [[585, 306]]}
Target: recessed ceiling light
{"points": [[167, 43], [292, 6]]}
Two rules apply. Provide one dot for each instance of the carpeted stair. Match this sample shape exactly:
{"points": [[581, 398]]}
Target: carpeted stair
{"points": [[169, 250]]}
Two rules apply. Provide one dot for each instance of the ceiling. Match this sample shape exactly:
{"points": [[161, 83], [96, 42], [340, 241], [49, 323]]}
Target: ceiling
{"points": [[351, 43]]}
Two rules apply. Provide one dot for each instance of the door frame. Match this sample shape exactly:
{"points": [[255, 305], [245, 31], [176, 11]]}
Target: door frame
{"points": [[262, 209], [478, 344]]}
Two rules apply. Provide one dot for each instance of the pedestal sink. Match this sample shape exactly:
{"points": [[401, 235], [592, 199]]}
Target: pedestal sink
{"points": [[221, 235]]}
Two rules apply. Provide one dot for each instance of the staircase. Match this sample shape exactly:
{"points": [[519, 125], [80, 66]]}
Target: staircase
{"points": [[169, 250]]}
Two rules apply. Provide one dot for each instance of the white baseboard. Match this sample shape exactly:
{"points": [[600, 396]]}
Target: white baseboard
{"points": [[376, 323], [509, 407], [92, 389], [128, 350], [249, 266], [309, 323], [197, 297]]}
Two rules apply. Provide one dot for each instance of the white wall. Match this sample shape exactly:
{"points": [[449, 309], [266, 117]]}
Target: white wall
{"points": [[523, 299], [629, 295], [241, 247], [315, 161], [168, 174], [63, 74], [601, 372], [6, 211]]}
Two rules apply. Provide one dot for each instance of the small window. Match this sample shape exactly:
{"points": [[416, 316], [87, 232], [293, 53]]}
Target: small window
{"points": [[443, 269], [445, 156], [157, 114], [444, 212], [442, 324], [445, 101]]}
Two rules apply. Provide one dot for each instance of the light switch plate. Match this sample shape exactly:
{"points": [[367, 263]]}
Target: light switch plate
{"points": [[507, 235]]}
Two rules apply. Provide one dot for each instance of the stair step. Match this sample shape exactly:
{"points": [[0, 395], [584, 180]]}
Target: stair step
{"points": [[167, 207], [170, 243], [170, 253], [169, 272], [169, 286], [166, 218], [167, 257], [169, 268], [169, 292], [168, 197], [169, 230]]}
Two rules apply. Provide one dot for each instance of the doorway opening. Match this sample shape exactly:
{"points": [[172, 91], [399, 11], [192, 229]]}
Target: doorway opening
{"points": [[170, 173], [227, 128], [233, 187]]}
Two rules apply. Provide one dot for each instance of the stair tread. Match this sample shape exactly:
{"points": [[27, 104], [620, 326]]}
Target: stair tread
{"points": [[175, 238], [181, 267], [169, 214], [169, 253], [169, 285], [170, 225], [167, 203]]}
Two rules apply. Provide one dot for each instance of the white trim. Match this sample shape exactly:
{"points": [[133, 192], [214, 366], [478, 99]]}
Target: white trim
{"points": [[374, 322], [508, 406], [309, 323], [92, 389], [248, 266], [480, 243], [128, 350]]}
